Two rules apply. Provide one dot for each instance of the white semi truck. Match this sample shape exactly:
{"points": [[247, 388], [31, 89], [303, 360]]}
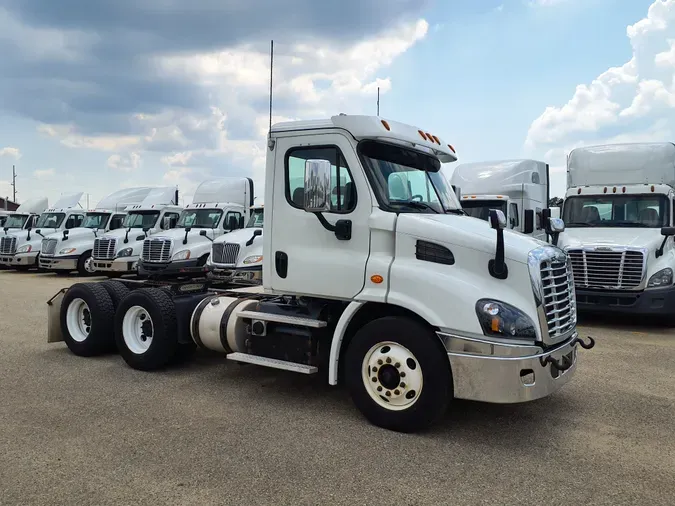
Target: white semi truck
{"points": [[410, 302], [219, 206], [71, 250], [25, 216], [117, 252], [20, 250], [518, 188], [619, 212], [237, 257]]}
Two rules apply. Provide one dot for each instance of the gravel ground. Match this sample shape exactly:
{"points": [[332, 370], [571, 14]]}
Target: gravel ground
{"points": [[94, 431]]}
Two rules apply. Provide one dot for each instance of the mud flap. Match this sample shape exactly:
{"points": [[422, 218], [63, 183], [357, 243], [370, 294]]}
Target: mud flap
{"points": [[54, 334]]}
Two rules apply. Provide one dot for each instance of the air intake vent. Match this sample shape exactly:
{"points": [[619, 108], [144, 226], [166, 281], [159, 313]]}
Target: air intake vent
{"points": [[430, 252]]}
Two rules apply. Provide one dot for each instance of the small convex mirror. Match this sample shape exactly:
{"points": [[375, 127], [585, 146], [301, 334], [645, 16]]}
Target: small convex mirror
{"points": [[317, 186], [166, 223], [497, 219], [556, 225]]}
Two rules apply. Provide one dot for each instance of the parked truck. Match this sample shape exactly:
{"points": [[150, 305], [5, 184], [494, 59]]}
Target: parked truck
{"points": [[21, 249], [410, 302], [518, 188], [237, 257], [219, 206], [117, 252], [71, 250], [618, 209], [25, 216]]}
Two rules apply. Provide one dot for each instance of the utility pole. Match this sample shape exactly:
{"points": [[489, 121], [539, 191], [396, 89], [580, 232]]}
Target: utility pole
{"points": [[13, 184], [378, 101]]}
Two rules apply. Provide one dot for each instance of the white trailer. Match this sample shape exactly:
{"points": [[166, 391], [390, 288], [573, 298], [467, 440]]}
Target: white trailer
{"points": [[21, 249], [71, 250], [117, 252], [619, 212], [410, 302], [218, 207], [518, 188], [237, 257]]}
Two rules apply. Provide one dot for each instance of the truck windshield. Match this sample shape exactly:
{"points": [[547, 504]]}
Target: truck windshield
{"points": [[481, 208], [256, 219], [616, 211], [406, 180], [140, 219], [50, 220], [15, 221], [200, 218], [96, 220]]}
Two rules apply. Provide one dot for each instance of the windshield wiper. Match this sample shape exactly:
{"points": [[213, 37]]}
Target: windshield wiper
{"points": [[415, 204], [456, 211]]}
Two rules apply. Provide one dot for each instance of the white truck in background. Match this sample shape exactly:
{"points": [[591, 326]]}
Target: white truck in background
{"points": [[20, 250], [619, 212], [518, 188], [219, 206], [117, 252], [237, 257], [25, 216], [71, 250], [410, 302]]}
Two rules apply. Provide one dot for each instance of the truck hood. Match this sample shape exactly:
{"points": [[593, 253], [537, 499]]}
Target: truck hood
{"points": [[178, 234], [120, 233], [22, 234], [615, 236], [76, 233], [240, 236], [467, 232]]}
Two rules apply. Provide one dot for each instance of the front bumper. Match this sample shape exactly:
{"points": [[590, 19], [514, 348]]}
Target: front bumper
{"points": [[122, 264], [242, 276], [657, 301], [175, 268], [19, 259], [63, 263], [486, 371]]}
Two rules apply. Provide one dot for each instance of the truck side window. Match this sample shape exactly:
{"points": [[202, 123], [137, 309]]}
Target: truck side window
{"points": [[343, 191], [537, 213], [74, 221], [116, 221], [173, 217], [228, 216], [513, 215]]}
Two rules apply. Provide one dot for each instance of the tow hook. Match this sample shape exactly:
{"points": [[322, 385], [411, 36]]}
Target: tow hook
{"points": [[581, 343], [562, 365]]}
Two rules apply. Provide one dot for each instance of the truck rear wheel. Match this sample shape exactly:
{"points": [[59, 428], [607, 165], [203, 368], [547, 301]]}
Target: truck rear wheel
{"points": [[87, 314], [116, 290], [398, 374], [145, 329]]}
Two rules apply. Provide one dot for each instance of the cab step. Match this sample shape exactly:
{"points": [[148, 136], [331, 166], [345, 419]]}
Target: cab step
{"points": [[280, 318], [272, 362]]}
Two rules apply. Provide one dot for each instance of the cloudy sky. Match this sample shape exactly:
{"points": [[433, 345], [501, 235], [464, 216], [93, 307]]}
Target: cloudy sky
{"points": [[95, 95]]}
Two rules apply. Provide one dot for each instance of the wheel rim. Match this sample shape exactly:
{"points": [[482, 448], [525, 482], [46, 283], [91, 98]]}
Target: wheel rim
{"points": [[137, 330], [78, 320], [89, 265], [392, 376]]}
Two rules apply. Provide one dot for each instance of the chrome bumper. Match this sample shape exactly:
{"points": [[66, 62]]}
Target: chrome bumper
{"points": [[56, 264], [18, 259], [124, 264], [488, 371]]}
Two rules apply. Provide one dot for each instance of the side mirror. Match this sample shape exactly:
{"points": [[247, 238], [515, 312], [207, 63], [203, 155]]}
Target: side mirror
{"points": [[233, 223], [556, 225], [528, 221], [497, 219], [667, 231], [317, 186], [256, 233], [202, 233], [166, 223], [241, 222]]}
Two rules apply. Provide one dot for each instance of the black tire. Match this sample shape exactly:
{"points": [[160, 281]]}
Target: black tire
{"points": [[164, 346], [60, 273], [116, 290], [100, 338], [437, 388], [22, 268], [81, 270]]}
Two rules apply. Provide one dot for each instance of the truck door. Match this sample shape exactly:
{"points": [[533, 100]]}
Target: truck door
{"points": [[307, 258]]}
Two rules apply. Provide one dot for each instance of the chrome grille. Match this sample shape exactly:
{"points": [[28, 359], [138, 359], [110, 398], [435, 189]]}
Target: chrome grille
{"points": [[156, 250], [623, 269], [8, 245], [104, 248], [48, 247], [224, 254], [558, 291]]}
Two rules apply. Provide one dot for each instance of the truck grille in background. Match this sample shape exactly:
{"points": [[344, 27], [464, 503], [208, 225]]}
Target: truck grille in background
{"points": [[8, 245], [104, 249], [607, 269], [156, 250], [48, 247], [559, 302], [224, 254]]}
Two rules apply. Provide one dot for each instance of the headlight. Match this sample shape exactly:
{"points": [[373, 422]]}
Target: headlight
{"points": [[503, 320], [253, 259], [25, 249], [181, 255], [66, 251], [126, 252], [662, 278]]}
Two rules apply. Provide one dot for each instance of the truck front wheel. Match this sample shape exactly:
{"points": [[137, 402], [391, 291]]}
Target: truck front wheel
{"points": [[398, 374]]}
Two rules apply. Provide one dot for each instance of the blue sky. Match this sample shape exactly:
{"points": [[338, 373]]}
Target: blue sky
{"points": [[92, 100]]}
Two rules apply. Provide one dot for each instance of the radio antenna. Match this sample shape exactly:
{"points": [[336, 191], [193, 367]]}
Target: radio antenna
{"points": [[378, 100], [271, 79]]}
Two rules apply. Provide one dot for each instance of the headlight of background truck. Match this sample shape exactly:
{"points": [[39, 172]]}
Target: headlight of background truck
{"points": [[66, 251], [181, 255], [126, 252], [253, 259], [499, 319], [662, 278], [25, 249]]}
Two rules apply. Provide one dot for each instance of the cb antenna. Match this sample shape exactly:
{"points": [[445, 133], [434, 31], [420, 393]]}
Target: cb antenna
{"points": [[378, 100], [271, 79]]}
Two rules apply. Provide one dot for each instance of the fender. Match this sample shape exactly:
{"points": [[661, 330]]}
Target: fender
{"points": [[338, 335]]}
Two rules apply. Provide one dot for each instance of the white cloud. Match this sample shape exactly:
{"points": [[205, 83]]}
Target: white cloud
{"points": [[44, 173], [631, 102], [69, 137], [124, 163], [10, 152]]}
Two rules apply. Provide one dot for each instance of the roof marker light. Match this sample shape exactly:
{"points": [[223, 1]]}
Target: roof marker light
{"points": [[386, 125], [436, 140], [423, 135], [623, 190], [452, 149], [652, 188], [614, 190], [578, 191], [605, 190]]}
